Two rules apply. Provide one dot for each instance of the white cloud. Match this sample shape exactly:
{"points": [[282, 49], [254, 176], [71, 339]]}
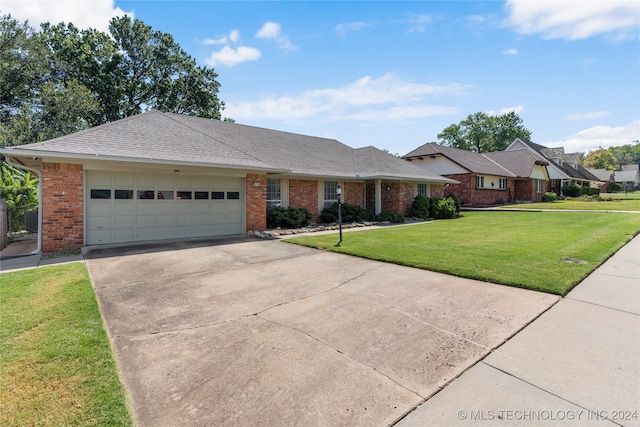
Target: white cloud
{"points": [[588, 116], [574, 19], [83, 14], [419, 23], [367, 98], [599, 136], [510, 52], [343, 29], [517, 109], [234, 37], [230, 57], [271, 30]]}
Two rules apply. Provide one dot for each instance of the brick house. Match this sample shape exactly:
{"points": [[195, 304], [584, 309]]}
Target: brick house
{"points": [[485, 178], [564, 168], [161, 176]]}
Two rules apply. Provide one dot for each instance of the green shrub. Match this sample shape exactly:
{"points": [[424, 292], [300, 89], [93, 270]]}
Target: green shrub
{"points": [[288, 217], [443, 209], [350, 213], [594, 192], [550, 196], [572, 190], [456, 201], [420, 207], [394, 217], [614, 187]]}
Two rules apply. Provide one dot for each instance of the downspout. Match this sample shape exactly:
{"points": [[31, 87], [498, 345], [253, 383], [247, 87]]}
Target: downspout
{"points": [[38, 173], [378, 196]]}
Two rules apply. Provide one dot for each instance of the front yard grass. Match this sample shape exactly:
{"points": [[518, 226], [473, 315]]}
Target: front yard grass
{"points": [[56, 365], [625, 204], [544, 251]]}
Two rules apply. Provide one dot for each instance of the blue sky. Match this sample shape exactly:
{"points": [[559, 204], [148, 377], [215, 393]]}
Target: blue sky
{"points": [[394, 74]]}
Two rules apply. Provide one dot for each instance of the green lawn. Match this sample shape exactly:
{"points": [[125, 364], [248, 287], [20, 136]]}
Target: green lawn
{"points": [[524, 249], [630, 203], [56, 365]]}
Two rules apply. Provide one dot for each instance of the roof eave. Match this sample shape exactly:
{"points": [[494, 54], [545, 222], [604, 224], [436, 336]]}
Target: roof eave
{"points": [[64, 156]]}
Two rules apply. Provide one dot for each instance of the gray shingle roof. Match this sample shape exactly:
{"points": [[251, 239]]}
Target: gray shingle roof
{"points": [[601, 174], [514, 164], [172, 138]]}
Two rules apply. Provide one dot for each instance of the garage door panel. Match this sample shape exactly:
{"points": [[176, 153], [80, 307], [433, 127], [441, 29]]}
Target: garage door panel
{"points": [[123, 221], [200, 206]]}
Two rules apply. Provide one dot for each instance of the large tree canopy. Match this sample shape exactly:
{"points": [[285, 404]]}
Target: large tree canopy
{"points": [[614, 157], [481, 133], [63, 79]]}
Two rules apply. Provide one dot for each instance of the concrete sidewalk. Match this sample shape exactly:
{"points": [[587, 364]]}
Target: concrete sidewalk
{"points": [[577, 364]]}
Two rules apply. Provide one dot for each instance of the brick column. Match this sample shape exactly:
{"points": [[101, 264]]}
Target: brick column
{"points": [[62, 207], [256, 202]]}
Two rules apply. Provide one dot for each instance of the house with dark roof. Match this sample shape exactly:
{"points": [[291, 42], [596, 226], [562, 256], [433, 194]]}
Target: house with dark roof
{"points": [[162, 176], [485, 178], [628, 177], [606, 177], [563, 167]]}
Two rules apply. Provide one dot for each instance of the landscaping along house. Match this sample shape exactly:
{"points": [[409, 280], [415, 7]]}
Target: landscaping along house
{"points": [[163, 176]]}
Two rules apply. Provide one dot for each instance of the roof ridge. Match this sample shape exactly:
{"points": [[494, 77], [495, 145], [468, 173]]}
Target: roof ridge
{"points": [[211, 137]]}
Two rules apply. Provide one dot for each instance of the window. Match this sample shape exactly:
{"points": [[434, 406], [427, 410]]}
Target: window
{"points": [[124, 194], [233, 195], [185, 195], [423, 189], [503, 183], [330, 194], [479, 181], [165, 195], [217, 195], [274, 192], [100, 194], [538, 186], [146, 194], [201, 195]]}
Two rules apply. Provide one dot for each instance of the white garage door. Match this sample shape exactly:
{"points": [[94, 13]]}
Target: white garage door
{"points": [[127, 207]]}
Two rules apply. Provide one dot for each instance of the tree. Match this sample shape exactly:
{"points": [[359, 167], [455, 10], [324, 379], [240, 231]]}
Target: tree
{"points": [[627, 154], [601, 159], [480, 132], [64, 79]]}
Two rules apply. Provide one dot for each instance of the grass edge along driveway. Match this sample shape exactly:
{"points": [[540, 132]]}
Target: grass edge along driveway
{"points": [[56, 364], [543, 251]]}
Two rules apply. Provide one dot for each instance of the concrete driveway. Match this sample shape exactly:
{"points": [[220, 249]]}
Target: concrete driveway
{"points": [[241, 331]]}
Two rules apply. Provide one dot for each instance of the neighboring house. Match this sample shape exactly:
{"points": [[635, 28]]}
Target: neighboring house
{"points": [[485, 178], [161, 175], [628, 177], [563, 168], [606, 177]]}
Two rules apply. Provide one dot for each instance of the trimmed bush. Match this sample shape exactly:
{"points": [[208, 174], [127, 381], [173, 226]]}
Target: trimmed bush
{"points": [[390, 216], [443, 209], [572, 190], [350, 213], [288, 217], [456, 201], [614, 187], [550, 197], [420, 207]]}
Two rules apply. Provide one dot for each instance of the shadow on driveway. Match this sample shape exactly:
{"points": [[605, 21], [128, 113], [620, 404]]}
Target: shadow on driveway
{"points": [[241, 331]]}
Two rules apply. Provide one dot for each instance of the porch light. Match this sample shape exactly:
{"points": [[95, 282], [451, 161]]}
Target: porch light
{"points": [[339, 193]]}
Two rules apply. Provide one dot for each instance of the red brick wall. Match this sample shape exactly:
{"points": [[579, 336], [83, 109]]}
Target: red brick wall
{"points": [[437, 191], [354, 193], [397, 196], [62, 207], [256, 202], [303, 193], [469, 195], [525, 190]]}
